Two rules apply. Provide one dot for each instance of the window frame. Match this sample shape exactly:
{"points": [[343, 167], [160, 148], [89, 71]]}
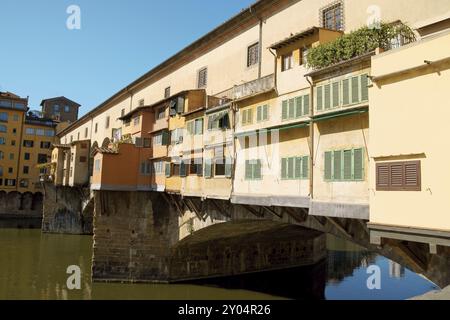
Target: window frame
{"points": [[202, 80], [253, 58]]}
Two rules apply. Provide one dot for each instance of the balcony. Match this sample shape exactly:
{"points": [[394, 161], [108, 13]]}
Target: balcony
{"points": [[250, 89]]}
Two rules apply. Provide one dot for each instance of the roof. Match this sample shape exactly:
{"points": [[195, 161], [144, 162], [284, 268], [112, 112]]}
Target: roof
{"points": [[61, 146], [59, 98], [298, 36], [234, 23], [10, 95], [104, 151]]}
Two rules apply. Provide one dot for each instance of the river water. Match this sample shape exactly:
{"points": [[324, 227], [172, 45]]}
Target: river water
{"points": [[33, 266]]}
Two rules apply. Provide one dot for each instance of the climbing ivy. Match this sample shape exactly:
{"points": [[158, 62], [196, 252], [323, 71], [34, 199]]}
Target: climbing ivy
{"points": [[358, 42]]}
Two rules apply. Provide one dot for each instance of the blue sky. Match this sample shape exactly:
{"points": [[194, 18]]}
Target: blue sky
{"points": [[119, 40]]}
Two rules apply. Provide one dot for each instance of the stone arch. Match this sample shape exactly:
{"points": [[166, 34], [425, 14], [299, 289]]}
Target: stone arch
{"points": [[3, 201], [106, 143], [37, 201], [13, 202], [26, 201]]}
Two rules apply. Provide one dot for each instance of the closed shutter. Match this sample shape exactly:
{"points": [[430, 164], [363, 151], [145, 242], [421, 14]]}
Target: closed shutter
{"points": [[284, 110], [355, 89], [189, 127], [199, 169], [358, 164], [168, 173], [259, 113], [290, 168], [183, 167], [337, 165], [283, 168], [305, 167], [250, 116], [248, 170], [228, 167], [327, 97], [265, 114], [210, 123], [199, 126], [306, 105], [257, 174], [412, 176], [208, 168], [364, 88], [348, 165], [291, 108], [244, 116], [335, 94], [298, 107], [345, 92], [396, 175], [319, 98], [298, 168], [382, 172], [180, 105], [165, 138], [327, 169]]}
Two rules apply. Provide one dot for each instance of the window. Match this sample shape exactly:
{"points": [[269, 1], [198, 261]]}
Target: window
{"points": [[83, 159], [66, 109], [3, 116], [71, 172], [161, 139], [122, 112], [13, 142], [176, 136], [71, 139], [158, 167], [399, 176], [253, 54], [332, 17], [2, 155], [3, 128], [160, 114], [253, 169], [141, 102], [145, 168], [247, 116], [262, 113], [97, 165], [96, 127], [27, 156], [86, 132], [2, 140], [45, 145], [196, 167], [56, 108], [14, 131], [136, 121], [40, 132], [29, 131], [10, 182], [10, 170], [107, 122], [147, 142], [11, 156], [295, 107], [1, 171], [202, 77], [195, 127], [28, 143], [342, 93], [295, 168], [287, 61], [167, 92], [304, 55], [23, 183], [344, 165], [26, 169], [78, 136], [42, 158], [219, 120], [5, 103], [15, 117]]}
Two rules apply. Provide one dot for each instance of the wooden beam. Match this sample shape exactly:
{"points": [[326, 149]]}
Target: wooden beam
{"points": [[252, 211], [339, 227], [270, 210]]}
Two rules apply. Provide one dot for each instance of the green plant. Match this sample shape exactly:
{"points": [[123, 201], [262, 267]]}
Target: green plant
{"points": [[357, 43]]}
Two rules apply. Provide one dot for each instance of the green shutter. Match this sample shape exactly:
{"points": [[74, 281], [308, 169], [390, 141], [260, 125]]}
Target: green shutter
{"points": [[291, 109], [305, 167], [168, 173], [165, 138], [250, 116], [364, 88], [257, 170], [327, 97], [355, 89], [183, 169], [298, 168], [319, 98], [244, 116], [208, 168], [335, 94], [283, 168], [337, 165], [358, 164], [348, 165], [228, 167], [306, 105], [284, 110], [290, 168], [248, 170], [265, 115], [327, 169], [345, 92], [199, 169], [259, 114], [199, 126], [298, 107]]}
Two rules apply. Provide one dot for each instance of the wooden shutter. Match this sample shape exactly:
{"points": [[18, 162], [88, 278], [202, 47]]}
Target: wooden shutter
{"points": [[364, 88], [335, 94], [306, 105], [291, 109], [382, 173], [168, 171], [412, 176], [305, 167], [284, 110], [327, 97], [398, 176], [265, 114], [348, 174], [319, 98], [298, 107], [183, 171], [345, 92], [180, 105], [284, 168], [165, 138], [337, 165], [358, 164], [355, 89], [328, 165], [298, 168]]}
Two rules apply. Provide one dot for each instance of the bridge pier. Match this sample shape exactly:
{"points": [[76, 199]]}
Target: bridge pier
{"points": [[133, 233], [67, 210]]}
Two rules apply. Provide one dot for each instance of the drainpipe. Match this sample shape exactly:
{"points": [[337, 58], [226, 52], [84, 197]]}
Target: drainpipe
{"points": [[311, 135]]}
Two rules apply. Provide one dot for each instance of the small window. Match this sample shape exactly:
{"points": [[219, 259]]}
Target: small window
{"points": [[262, 113], [332, 17], [160, 114], [66, 109], [253, 169], [83, 159], [287, 62], [202, 77], [398, 176], [27, 156], [195, 127], [56, 108], [28, 143], [3, 116], [86, 132], [304, 55], [97, 165], [2, 140], [122, 112], [45, 145], [141, 102], [196, 167], [26, 169], [42, 158], [23, 183], [167, 92], [29, 131], [11, 156], [253, 54], [3, 128], [136, 121], [247, 116], [107, 122], [96, 127]]}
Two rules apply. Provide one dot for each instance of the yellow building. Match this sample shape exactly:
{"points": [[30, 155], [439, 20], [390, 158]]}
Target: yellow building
{"points": [[12, 116]]}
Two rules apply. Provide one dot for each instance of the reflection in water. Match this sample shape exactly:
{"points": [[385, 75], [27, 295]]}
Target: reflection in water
{"points": [[33, 266]]}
